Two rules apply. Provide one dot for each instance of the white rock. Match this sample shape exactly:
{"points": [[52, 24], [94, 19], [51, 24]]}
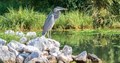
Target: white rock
{"points": [[31, 56], [16, 45], [82, 56], [55, 51], [45, 53], [54, 42], [19, 59], [67, 50], [13, 50], [20, 34], [65, 59], [43, 43], [6, 56], [34, 60], [13, 44], [30, 49], [52, 59], [2, 42], [31, 34], [11, 32], [5, 48], [66, 54], [39, 43], [94, 58], [38, 60], [23, 40], [24, 55]]}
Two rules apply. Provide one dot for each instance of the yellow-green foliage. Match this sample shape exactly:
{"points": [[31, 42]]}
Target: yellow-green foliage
{"points": [[28, 19], [22, 19], [8, 37], [74, 20]]}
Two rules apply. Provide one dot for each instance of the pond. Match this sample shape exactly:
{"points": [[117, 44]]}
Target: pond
{"points": [[105, 45]]}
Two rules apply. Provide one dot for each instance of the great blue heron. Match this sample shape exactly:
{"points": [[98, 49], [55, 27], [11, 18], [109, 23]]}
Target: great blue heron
{"points": [[51, 19]]}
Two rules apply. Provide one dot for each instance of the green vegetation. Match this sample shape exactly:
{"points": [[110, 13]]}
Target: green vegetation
{"points": [[22, 19], [91, 25], [104, 43], [8, 37], [82, 14], [80, 36], [28, 19]]}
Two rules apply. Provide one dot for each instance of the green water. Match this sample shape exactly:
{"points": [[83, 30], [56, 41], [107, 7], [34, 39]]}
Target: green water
{"points": [[105, 45]]}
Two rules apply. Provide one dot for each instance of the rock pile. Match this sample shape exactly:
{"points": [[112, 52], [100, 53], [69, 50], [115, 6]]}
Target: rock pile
{"points": [[41, 50]]}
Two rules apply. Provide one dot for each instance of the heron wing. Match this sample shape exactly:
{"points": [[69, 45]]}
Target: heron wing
{"points": [[48, 23]]}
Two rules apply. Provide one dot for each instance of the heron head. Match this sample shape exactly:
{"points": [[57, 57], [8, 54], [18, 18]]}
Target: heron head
{"points": [[59, 9]]}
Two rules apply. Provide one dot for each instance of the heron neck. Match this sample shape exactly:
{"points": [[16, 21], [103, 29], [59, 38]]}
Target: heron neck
{"points": [[56, 14]]}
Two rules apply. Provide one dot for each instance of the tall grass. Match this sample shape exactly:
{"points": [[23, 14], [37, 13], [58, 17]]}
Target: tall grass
{"points": [[25, 19], [22, 19], [73, 20], [8, 37], [28, 19]]}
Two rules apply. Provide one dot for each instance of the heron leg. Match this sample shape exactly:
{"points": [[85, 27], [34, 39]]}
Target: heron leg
{"points": [[47, 33], [50, 34]]}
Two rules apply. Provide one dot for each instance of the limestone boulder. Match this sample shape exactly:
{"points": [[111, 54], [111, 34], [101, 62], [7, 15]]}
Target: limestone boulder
{"points": [[6, 56], [2, 42], [20, 34], [23, 40], [10, 32]]}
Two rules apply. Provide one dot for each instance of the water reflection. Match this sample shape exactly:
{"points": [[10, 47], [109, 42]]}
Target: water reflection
{"points": [[105, 46]]}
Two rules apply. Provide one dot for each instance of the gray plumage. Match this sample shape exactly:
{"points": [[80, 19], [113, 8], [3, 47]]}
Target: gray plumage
{"points": [[51, 18]]}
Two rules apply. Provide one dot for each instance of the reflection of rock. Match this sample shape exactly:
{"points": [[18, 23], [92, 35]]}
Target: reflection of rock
{"points": [[2, 42], [6, 56]]}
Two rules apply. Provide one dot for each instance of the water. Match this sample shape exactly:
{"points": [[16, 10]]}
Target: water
{"points": [[105, 46]]}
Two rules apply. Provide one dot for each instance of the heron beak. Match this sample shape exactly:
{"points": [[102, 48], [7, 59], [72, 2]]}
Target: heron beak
{"points": [[65, 9]]}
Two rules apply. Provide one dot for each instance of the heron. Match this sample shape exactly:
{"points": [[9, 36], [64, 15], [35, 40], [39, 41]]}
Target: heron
{"points": [[51, 19]]}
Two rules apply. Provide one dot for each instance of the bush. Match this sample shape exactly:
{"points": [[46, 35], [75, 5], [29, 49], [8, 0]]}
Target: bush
{"points": [[22, 19], [27, 19], [8, 37], [73, 20]]}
